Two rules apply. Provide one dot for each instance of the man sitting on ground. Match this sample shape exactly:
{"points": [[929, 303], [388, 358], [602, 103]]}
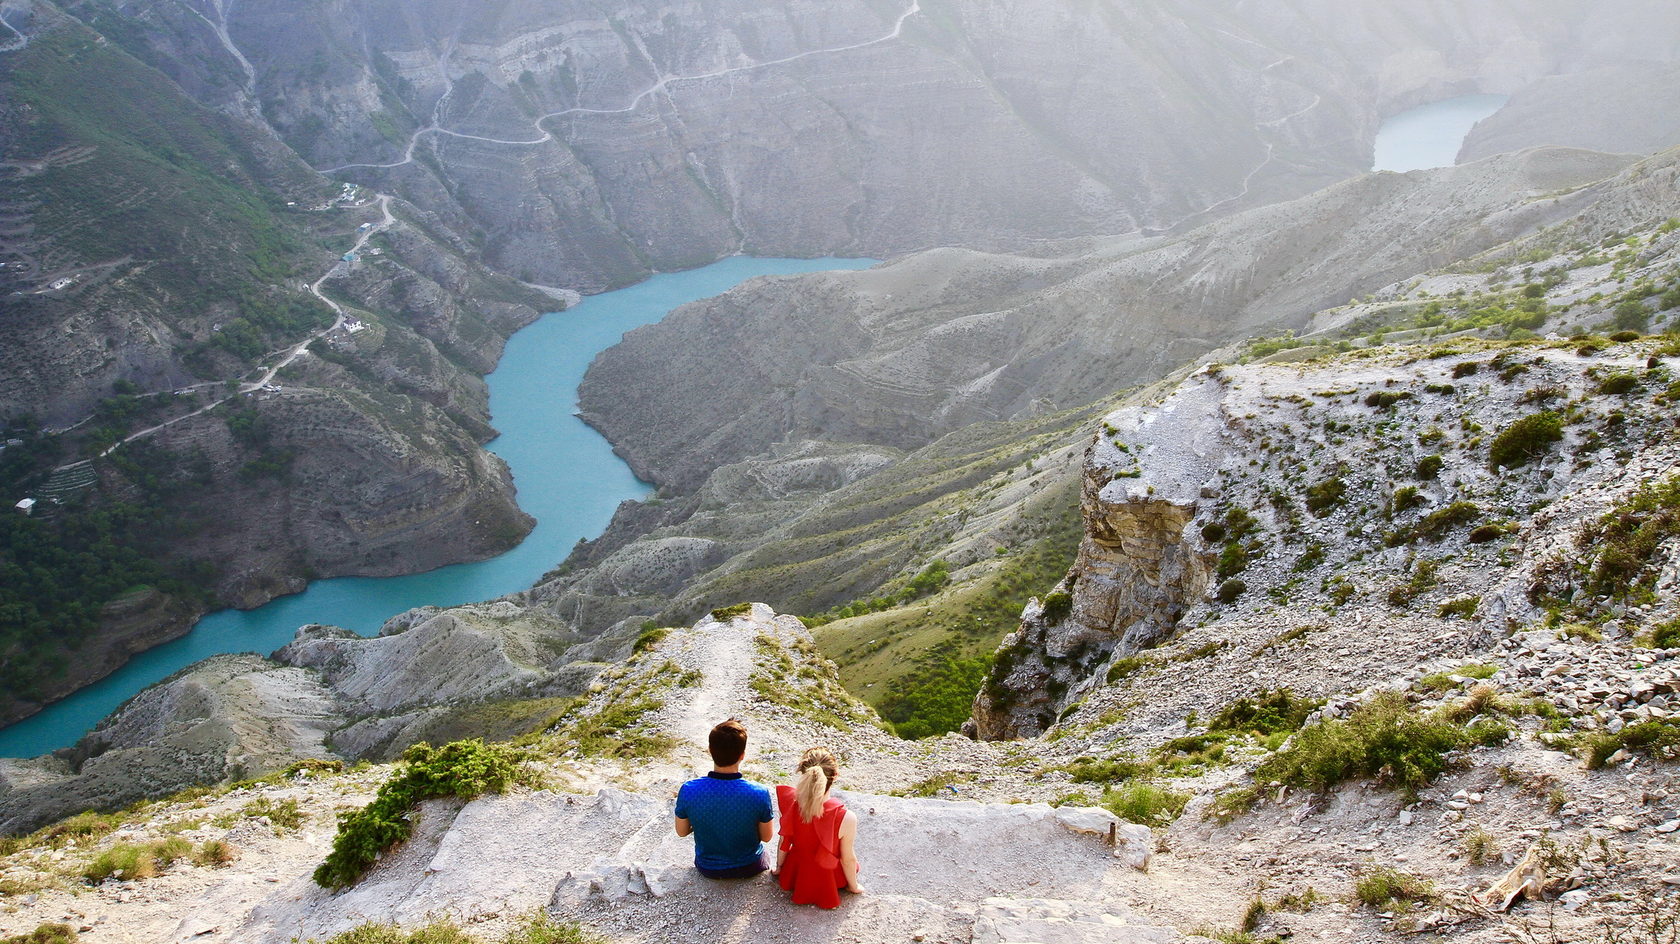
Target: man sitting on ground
{"points": [[728, 816]]}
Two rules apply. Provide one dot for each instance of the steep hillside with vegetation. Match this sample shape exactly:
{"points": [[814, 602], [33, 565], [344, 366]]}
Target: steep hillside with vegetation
{"points": [[164, 267]]}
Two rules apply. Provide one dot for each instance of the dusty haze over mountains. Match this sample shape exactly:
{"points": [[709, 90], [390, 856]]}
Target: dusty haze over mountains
{"points": [[1160, 409]]}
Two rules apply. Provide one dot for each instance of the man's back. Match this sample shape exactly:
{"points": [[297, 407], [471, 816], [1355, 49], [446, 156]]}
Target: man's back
{"points": [[724, 811]]}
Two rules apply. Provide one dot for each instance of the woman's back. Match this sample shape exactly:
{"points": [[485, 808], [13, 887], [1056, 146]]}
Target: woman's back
{"points": [[811, 869]]}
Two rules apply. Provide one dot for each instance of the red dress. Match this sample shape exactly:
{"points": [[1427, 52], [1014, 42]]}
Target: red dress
{"points": [[812, 868]]}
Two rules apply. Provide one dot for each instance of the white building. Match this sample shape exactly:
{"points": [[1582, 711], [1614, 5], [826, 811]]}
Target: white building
{"points": [[27, 506]]}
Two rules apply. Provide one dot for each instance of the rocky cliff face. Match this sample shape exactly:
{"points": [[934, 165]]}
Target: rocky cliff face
{"points": [[1137, 572]]}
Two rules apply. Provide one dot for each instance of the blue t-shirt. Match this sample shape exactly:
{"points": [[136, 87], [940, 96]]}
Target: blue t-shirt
{"points": [[724, 811]]}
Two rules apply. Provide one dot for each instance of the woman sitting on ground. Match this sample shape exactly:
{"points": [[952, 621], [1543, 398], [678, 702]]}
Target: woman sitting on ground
{"points": [[815, 859]]}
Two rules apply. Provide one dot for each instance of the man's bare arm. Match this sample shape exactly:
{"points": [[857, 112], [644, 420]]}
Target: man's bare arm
{"points": [[683, 828]]}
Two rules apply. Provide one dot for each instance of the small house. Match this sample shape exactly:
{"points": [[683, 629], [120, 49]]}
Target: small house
{"points": [[27, 506]]}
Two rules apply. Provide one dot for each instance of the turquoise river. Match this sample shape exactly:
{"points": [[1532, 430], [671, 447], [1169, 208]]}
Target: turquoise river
{"points": [[566, 473]]}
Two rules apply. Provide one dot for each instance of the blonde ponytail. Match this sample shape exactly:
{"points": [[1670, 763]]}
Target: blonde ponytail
{"points": [[817, 772]]}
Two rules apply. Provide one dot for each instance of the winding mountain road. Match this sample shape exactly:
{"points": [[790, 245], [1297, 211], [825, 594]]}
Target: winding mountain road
{"points": [[545, 136], [18, 40], [291, 354]]}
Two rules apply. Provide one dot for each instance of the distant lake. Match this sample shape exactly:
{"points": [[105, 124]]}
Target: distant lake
{"points": [[566, 473], [1431, 135]]}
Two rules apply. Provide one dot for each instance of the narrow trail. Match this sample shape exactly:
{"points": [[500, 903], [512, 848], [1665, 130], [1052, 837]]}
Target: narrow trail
{"points": [[545, 136], [18, 40]]}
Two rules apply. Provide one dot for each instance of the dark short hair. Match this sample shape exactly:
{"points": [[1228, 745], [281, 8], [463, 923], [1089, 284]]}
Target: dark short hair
{"points": [[728, 743]]}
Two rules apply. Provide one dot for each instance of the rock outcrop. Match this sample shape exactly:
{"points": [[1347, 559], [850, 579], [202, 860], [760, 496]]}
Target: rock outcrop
{"points": [[1139, 569], [227, 717]]}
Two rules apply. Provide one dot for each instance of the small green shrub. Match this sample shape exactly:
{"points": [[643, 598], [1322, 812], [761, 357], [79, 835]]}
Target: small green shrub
{"points": [[1126, 665], [1145, 803], [214, 853], [45, 934], [438, 932], [1436, 525], [1462, 608], [1272, 712], [463, 769], [1231, 589], [1323, 497], [1104, 770], [1666, 635], [313, 767], [1479, 846], [1233, 560], [1627, 539], [1232, 804], [1656, 739], [1213, 532], [1057, 605], [1405, 498], [1525, 440], [539, 928], [651, 635], [1387, 889], [127, 861], [724, 614], [1465, 369], [1618, 383], [1384, 738], [285, 815], [1483, 533], [1383, 399], [1429, 468], [1423, 578]]}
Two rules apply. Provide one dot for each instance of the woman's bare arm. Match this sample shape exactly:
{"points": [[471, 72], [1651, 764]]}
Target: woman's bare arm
{"points": [[848, 855]]}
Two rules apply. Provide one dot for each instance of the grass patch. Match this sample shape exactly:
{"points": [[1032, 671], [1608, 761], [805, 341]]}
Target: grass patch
{"points": [[135, 861], [1145, 803], [45, 934], [463, 769], [1525, 440], [438, 932], [939, 784], [1436, 525], [1104, 770], [1274, 712], [799, 684], [1126, 666], [724, 614], [284, 816], [1385, 738], [1462, 608], [1659, 740], [1388, 889], [1480, 847], [653, 634], [214, 854]]}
